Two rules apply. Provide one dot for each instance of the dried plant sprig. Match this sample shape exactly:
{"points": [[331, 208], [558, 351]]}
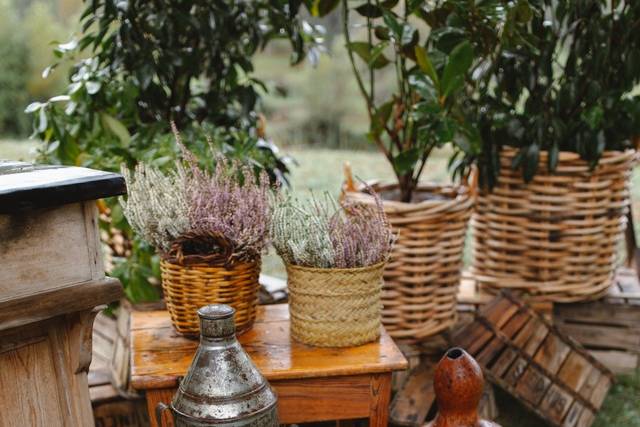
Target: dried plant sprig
{"points": [[322, 234], [232, 201], [156, 206]]}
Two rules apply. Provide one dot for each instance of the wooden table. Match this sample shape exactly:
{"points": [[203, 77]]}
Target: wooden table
{"points": [[313, 384]]}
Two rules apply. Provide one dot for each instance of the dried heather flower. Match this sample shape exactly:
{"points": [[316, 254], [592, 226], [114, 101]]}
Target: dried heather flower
{"points": [[325, 235], [231, 202], [156, 206]]}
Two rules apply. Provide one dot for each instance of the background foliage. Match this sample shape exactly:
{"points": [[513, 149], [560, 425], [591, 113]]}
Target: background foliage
{"points": [[140, 65], [567, 86]]}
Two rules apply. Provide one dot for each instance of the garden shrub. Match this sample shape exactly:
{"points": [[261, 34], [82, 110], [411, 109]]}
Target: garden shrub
{"points": [[150, 64]]}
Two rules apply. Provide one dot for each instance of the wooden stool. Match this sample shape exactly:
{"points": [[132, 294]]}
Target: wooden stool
{"points": [[313, 384]]}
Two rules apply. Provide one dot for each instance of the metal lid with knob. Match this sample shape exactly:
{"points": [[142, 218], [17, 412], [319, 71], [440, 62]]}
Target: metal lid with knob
{"points": [[222, 387]]}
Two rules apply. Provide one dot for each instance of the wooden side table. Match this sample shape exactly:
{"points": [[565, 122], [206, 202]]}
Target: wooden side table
{"points": [[313, 384]]}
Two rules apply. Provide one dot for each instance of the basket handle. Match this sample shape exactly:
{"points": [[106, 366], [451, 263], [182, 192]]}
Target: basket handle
{"points": [[471, 181], [161, 407]]}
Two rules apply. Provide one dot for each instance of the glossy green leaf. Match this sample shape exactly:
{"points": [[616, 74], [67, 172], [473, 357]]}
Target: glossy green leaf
{"points": [[321, 8], [406, 160], [369, 10], [366, 52], [425, 64], [458, 65]]}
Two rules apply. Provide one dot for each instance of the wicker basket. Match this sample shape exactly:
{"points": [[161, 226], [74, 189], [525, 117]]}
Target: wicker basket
{"points": [[555, 238], [335, 307], [192, 281], [422, 276]]}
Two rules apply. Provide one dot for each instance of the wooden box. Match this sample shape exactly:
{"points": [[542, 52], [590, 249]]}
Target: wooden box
{"points": [[609, 328], [528, 357], [51, 286]]}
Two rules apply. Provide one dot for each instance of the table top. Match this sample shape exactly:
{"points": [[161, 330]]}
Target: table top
{"points": [[160, 356], [25, 186]]}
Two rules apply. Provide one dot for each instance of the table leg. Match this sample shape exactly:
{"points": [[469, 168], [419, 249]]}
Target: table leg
{"points": [[380, 390], [154, 397]]}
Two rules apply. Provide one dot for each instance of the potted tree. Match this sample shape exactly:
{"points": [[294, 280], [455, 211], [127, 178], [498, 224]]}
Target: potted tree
{"points": [[437, 50], [558, 123]]}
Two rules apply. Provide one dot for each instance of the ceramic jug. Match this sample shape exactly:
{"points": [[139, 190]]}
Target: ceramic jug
{"points": [[222, 387], [458, 384]]}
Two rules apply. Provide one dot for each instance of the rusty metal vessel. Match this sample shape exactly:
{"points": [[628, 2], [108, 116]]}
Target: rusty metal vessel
{"points": [[458, 383], [222, 387]]}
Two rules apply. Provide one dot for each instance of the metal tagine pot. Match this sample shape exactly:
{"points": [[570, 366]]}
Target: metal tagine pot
{"points": [[223, 387], [458, 383]]}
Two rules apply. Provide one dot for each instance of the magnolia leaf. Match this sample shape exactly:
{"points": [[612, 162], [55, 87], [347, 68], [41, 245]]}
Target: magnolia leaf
{"points": [[373, 57], [406, 160], [321, 8], [369, 10], [459, 62], [422, 58]]}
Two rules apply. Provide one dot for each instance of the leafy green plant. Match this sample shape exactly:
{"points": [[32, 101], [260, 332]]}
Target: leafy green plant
{"points": [[439, 50], [569, 88], [13, 72], [138, 66]]}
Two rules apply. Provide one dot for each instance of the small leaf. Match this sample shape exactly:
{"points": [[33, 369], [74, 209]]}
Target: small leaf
{"points": [[553, 157], [47, 71], [425, 64], [321, 8], [382, 33], [530, 165], [393, 24], [116, 127], [70, 45], [33, 107], [364, 51], [458, 64], [406, 160], [42, 121], [92, 87], [369, 10]]}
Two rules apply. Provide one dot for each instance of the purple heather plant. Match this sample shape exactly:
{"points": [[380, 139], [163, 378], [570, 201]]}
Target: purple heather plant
{"points": [[231, 203]]}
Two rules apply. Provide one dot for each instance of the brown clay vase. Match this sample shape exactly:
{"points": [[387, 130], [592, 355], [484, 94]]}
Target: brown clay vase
{"points": [[458, 383]]}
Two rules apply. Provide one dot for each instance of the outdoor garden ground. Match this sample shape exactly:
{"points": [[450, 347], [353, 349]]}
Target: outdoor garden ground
{"points": [[321, 170]]}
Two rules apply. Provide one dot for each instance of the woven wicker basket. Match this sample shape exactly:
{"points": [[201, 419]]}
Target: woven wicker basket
{"points": [[555, 238], [192, 281], [422, 276], [335, 307]]}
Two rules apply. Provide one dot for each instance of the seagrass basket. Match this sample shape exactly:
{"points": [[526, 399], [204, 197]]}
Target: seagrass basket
{"points": [[335, 307], [423, 273], [192, 281], [555, 238]]}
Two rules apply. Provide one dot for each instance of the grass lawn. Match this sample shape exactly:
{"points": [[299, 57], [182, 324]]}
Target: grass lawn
{"points": [[321, 170]]}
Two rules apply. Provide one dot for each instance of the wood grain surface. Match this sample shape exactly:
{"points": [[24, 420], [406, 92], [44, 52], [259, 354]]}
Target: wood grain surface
{"points": [[160, 355]]}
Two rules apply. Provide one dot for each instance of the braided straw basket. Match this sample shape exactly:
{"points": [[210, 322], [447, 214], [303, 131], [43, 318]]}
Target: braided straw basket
{"points": [[555, 238], [192, 281], [423, 273], [335, 307]]}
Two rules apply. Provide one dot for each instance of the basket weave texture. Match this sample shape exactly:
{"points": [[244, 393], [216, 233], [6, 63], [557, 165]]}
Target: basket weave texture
{"points": [[423, 273], [188, 287], [555, 238], [335, 307]]}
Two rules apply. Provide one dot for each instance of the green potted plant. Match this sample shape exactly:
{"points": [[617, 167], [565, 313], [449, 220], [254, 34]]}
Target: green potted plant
{"points": [[436, 51], [334, 257], [209, 228], [558, 122]]}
